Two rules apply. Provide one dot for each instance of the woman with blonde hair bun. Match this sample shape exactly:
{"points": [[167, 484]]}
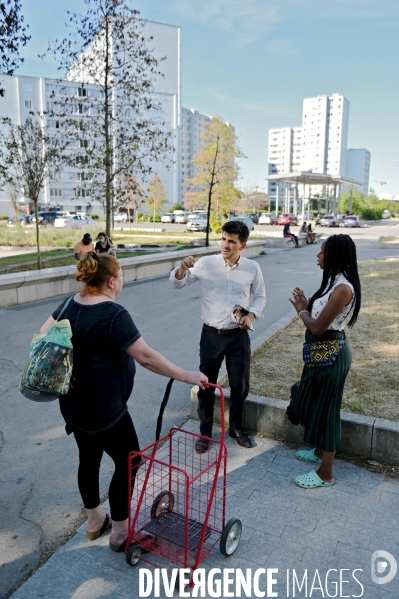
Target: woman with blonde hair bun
{"points": [[106, 344]]}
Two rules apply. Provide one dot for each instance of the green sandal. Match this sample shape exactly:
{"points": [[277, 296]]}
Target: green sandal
{"points": [[311, 480], [308, 455]]}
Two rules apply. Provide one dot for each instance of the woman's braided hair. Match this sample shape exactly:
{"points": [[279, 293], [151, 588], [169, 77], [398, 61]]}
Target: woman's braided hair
{"points": [[340, 256]]}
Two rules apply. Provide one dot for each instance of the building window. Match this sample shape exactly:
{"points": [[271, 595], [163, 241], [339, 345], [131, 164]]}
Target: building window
{"points": [[27, 87], [56, 193], [28, 104]]}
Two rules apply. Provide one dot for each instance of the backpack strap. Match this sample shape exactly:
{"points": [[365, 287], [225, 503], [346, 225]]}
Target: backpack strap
{"points": [[64, 308]]}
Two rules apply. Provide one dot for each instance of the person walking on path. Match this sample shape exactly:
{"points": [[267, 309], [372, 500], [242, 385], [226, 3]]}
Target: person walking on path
{"points": [[106, 344], [228, 281], [83, 246], [287, 233], [316, 399]]}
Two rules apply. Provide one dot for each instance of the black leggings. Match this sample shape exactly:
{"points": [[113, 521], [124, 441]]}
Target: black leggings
{"points": [[117, 442]]}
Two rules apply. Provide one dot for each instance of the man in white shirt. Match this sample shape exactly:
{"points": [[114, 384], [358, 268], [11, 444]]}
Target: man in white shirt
{"points": [[227, 279]]}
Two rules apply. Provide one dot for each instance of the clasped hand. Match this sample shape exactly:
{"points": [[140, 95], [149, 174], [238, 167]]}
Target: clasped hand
{"points": [[299, 301]]}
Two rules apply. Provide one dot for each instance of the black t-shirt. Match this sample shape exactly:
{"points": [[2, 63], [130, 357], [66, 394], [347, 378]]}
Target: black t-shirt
{"points": [[102, 249], [103, 370]]}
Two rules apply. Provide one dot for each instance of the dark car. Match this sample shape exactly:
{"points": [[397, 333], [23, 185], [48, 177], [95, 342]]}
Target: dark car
{"points": [[253, 216], [47, 218]]}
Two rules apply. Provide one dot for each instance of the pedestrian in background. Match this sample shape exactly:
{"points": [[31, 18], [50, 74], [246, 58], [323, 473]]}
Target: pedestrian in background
{"points": [[83, 246], [287, 233], [228, 282], [106, 343], [316, 399]]}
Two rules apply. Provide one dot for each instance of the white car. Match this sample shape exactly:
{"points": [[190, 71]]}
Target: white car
{"points": [[196, 213], [120, 218], [386, 214], [168, 218], [80, 222], [266, 218]]}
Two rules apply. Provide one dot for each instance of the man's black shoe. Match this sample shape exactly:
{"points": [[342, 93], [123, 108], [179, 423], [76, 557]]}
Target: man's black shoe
{"points": [[241, 437], [201, 445]]}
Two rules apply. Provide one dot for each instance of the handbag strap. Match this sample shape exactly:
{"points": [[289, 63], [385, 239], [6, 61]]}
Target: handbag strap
{"points": [[64, 308], [162, 409]]}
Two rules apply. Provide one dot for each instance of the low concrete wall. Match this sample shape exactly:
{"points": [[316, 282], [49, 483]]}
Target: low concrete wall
{"points": [[364, 436], [23, 287]]}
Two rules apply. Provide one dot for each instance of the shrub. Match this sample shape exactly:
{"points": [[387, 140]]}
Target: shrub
{"points": [[215, 224], [371, 213], [2, 217], [94, 216]]}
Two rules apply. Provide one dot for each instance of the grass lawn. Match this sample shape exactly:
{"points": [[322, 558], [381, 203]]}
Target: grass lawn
{"points": [[21, 266], [372, 386], [22, 258]]}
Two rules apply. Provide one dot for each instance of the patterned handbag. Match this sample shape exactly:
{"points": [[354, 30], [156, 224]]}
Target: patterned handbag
{"points": [[48, 372], [322, 353]]}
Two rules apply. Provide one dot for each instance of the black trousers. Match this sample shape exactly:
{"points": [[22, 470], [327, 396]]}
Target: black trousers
{"points": [[117, 442], [237, 351]]}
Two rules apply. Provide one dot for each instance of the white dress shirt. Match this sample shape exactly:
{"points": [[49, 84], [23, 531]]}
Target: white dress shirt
{"points": [[224, 286]]}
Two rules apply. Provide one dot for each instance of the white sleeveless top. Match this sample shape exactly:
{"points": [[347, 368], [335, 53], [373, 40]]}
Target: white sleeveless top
{"points": [[344, 316]]}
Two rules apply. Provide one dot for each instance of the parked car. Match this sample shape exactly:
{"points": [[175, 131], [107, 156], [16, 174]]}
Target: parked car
{"points": [[254, 216], [60, 221], [168, 218], [268, 218], [198, 223], [195, 213], [181, 216], [246, 220], [386, 214], [328, 221], [352, 221], [80, 222], [287, 219]]}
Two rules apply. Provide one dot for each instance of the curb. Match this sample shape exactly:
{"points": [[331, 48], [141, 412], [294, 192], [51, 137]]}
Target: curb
{"points": [[365, 436]]}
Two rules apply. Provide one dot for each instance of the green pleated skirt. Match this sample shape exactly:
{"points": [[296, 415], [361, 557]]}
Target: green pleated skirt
{"points": [[316, 399]]}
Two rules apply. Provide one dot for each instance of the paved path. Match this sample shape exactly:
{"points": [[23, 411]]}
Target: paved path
{"points": [[284, 527], [39, 500]]}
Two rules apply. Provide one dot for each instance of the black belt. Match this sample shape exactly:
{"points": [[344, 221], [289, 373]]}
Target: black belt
{"points": [[224, 332]]}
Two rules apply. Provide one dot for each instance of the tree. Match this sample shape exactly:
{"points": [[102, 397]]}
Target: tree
{"points": [[216, 169], [117, 125], [12, 36], [134, 196], [157, 196], [28, 156]]}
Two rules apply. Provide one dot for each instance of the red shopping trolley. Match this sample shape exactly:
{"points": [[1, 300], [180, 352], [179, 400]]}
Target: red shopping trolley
{"points": [[178, 499]]}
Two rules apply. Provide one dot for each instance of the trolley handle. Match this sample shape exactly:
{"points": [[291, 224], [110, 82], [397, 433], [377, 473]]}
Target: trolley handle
{"points": [[165, 403]]}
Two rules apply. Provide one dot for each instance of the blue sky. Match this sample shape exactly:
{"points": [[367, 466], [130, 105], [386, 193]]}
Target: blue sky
{"points": [[253, 62]]}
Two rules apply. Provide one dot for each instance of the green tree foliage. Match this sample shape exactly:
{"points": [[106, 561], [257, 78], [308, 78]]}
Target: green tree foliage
{"points": [[12, 36], [157, 196], [368, 207]]}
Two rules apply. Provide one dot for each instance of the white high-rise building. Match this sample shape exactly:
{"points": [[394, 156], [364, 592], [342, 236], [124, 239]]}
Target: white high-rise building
{"points": [[319, 145], [358, 168], [193, 124], [37, 94]]}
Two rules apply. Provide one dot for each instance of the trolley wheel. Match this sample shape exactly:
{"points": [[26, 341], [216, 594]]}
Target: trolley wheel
{"points": [[163, 503], [231, 536], [133, 555]]}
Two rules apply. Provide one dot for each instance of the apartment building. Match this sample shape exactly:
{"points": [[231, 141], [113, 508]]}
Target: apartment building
{"points": [[24, 94], [193, 124], [319, 145], [358, 168]]}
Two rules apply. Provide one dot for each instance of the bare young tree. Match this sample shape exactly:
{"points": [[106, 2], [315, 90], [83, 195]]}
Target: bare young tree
{"points": [[134, 196], [117, 125], [28, 155], [12, 36]]}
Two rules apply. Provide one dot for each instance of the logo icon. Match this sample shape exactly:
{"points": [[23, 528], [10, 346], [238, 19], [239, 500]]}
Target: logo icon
{"points": [[380, 560]]}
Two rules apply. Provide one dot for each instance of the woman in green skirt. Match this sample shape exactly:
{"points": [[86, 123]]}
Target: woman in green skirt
{"points": [[316, 399]]}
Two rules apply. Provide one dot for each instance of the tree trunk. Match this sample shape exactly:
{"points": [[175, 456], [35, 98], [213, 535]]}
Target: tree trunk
{"points": [[108, 204], [154, 217], [137, 219], [39, 257], [212, 183]]}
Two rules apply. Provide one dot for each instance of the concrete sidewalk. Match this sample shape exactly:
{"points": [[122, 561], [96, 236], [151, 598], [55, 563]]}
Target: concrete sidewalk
{"points": [[284, 527]]}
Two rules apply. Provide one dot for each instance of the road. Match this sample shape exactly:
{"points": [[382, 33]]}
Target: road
{"points": [[39, 499]]}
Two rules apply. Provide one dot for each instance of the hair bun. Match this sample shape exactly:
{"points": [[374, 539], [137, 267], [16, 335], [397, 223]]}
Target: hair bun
{"points": [[87, 267]]}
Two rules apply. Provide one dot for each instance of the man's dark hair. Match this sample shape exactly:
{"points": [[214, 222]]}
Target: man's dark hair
{"points": [[340, 256], [237, 227]]}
